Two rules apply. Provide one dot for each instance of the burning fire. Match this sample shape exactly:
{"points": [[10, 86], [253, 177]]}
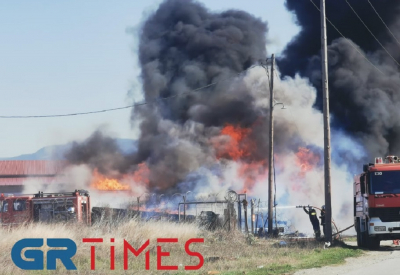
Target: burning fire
{"points": [[252, 173], [239, 148], [139, 178], [306, 159], [238, 145], [142, 174], [101, 182]]}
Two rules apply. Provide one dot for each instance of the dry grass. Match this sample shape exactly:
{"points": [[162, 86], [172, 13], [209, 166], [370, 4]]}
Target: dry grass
{"points": [[228, 252]]}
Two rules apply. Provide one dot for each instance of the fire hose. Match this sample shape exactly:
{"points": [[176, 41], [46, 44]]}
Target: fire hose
{"points": [[343, 230], [333, 222]]}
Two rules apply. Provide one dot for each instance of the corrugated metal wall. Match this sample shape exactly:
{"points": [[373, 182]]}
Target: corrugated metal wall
{"points": [[30, 167]]}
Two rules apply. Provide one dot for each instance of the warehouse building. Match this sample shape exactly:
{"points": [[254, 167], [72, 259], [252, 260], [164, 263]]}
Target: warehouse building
{"points": [[15, 174]]}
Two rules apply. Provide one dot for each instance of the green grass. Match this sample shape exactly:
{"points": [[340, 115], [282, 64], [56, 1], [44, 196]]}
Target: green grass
{"points": [[350, 238], [315, 258]]}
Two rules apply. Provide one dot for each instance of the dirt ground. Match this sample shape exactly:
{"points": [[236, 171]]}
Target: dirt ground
{"points": [[385, 261]]}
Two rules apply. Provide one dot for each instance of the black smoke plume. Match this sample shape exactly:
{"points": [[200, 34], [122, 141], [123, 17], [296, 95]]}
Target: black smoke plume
{"points": [[364, 102], [98, 151], [184, 46], [307, 43]]}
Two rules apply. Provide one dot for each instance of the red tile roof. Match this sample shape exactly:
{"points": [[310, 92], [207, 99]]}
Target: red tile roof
{"points": [[30, 167]]}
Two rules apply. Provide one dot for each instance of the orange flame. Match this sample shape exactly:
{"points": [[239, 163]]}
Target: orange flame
{"points": [[238, 145], [142, 174], [307, 160], [101, 182], [252, 173], [139, 178]]}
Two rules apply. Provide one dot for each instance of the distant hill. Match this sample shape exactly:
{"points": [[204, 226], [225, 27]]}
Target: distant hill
{"points": [[56, 152]]}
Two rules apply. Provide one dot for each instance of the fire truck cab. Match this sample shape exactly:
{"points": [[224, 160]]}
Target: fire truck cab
{"points": [[377, 202], [45, 207]]}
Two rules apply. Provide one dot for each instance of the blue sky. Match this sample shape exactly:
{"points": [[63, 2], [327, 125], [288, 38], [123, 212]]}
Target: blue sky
{"points": [[74, 56]]}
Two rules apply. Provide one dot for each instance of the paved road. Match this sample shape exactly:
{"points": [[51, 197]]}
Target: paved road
{"points": [[386, 261]]}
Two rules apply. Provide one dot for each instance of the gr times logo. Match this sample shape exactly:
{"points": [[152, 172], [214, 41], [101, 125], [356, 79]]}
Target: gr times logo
{"points": [[36, 256], [28, 254]]}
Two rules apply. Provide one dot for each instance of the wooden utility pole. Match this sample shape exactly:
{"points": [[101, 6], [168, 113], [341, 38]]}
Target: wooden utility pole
{"points": [[327, 130], [271, 149]]}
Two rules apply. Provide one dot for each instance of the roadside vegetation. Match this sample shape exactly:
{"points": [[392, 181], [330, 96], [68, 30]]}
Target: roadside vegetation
{"points": [[224, 252]]}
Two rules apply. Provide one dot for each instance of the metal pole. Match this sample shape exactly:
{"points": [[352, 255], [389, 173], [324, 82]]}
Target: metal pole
{"points": [[271, 148], [327, 134], [184, 208], [239, 215], [258, 213], [252, 215], [246, 227], [138, 204], [229, 217]]}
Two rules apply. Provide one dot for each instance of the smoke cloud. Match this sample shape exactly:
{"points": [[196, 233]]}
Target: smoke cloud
{"points": [[98, 151], [213, 139], [183, 46], [364, 101]]}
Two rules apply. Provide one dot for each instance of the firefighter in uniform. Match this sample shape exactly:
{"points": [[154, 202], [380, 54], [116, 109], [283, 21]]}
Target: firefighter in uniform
{"points": [[322, 217], [314, 220]]}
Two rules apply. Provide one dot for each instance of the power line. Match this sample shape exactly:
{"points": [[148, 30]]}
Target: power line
{"points": [[383, 22], [76, 114], [372, 34], [350, 42], [128, 106]]}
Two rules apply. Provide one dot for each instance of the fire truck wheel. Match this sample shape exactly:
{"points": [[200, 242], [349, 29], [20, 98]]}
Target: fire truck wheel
{"points": [[359, 234], [374, 243], [359, 240], [364, 239], [371, 242]]}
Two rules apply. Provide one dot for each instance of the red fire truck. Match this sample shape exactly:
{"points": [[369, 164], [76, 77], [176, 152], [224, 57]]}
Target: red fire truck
{"points": [[45, 207], [377, 202]]}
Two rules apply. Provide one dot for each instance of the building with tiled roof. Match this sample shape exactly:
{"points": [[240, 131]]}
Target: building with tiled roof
{"points": [[14, 174]]}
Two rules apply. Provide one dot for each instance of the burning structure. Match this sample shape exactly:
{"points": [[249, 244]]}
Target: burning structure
{"points": [[215, 138]]}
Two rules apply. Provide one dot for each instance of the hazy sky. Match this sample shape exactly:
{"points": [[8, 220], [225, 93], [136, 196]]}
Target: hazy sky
{"points": [[73, 56]]}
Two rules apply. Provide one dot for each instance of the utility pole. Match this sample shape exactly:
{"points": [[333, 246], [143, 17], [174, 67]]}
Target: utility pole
{"points": [[327, 130], [271, 148]]}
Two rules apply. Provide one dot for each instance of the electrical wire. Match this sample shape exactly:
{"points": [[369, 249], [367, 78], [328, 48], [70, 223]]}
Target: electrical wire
{"points": [[398, 42], [77, 114], [372, 34], [128, 106], [350, 42]]}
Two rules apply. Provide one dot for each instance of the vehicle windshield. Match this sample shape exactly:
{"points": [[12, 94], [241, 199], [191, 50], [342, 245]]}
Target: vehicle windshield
{"points": [[385, 182], [19, 205]]}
